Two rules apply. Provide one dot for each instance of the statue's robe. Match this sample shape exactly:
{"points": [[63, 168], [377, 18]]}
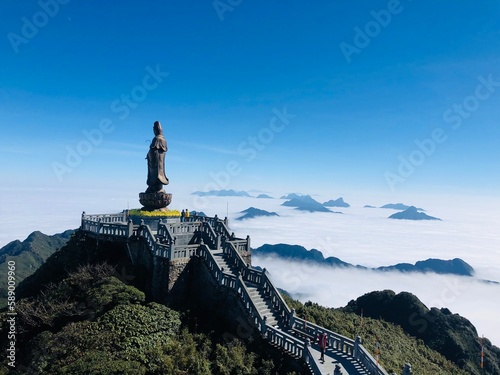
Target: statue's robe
{"points": [[156, 163]]}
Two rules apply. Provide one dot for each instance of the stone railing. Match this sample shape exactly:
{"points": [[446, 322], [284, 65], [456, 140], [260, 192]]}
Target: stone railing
{"points": [[162, 245], [234, 258], [148, 236], [335, 341], [259, 278], [293, 346], [182, 252], [184, 227], [362, 355], [349, 347], [233, 282], [164, 235], [107, 225], [107, 218], [252, 310], [287, 342], [208, 234], [280, 307]]}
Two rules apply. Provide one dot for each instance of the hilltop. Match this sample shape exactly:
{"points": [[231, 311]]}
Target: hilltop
{"points": [[29, 255], [412, 213], [252, 212], [305, 203], [336, 203], [450, 334]]}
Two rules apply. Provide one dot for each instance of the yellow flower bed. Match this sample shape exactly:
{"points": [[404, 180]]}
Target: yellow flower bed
{"points": [[169, 213]]}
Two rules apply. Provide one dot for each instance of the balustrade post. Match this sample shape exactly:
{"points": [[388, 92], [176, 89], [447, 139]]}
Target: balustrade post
{"points": [[238, 274], [357, 343], [221, 275], [305, 353], [292, 318], [248, 242], [83, 216], [263, 326], [262, 279], [130, 228], [217, 242], [407, 370]]}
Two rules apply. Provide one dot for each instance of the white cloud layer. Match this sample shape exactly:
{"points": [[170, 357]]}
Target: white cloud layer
{"points": [[336, 287]]}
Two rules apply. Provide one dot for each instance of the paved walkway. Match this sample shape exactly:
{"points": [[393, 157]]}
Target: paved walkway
{"points": [[332, 357]]}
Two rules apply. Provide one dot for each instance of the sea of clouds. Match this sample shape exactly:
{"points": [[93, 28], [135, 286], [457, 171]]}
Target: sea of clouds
{"points": [[364, 236]]}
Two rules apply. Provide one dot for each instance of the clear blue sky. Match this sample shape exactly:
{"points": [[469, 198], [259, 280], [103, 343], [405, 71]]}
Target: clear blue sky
{"points": [[360, 101]]}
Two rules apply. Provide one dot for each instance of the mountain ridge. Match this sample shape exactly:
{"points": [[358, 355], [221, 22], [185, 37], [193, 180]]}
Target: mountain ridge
{"points": [[454, 266]]}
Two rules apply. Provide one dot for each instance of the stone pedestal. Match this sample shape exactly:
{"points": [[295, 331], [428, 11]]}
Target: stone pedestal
{"points": [[155, 201]]}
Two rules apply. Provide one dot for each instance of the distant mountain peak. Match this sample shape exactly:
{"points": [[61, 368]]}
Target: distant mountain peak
{"points": [[264, 196], [306, 203], [412, 213], [293, 196], [253, 212], [399, 206], [336, 203]]}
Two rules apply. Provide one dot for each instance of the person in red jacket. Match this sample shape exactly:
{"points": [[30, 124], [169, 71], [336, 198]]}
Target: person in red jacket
{"points": [[323, 343]]}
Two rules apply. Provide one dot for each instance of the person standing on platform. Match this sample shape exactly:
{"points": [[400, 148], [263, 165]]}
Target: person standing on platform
{"points": [[323, 343]]}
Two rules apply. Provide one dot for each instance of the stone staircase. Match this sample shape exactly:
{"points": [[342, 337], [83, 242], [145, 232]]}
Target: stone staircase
{"points": [[261, 302], [348, 365], [263, 305]]}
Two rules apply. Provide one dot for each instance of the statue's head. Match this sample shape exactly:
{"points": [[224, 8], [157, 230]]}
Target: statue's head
{"points": [[157, 128]]}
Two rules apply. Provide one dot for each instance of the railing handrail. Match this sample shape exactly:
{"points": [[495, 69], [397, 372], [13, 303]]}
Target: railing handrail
{"points": [[370, 363], [107, 217], [211, 234], [276, 293], [169, 236], [319, 329], [311, 362]]}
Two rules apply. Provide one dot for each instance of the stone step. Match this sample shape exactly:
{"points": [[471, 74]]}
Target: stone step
{"points": [[263, 304]]}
